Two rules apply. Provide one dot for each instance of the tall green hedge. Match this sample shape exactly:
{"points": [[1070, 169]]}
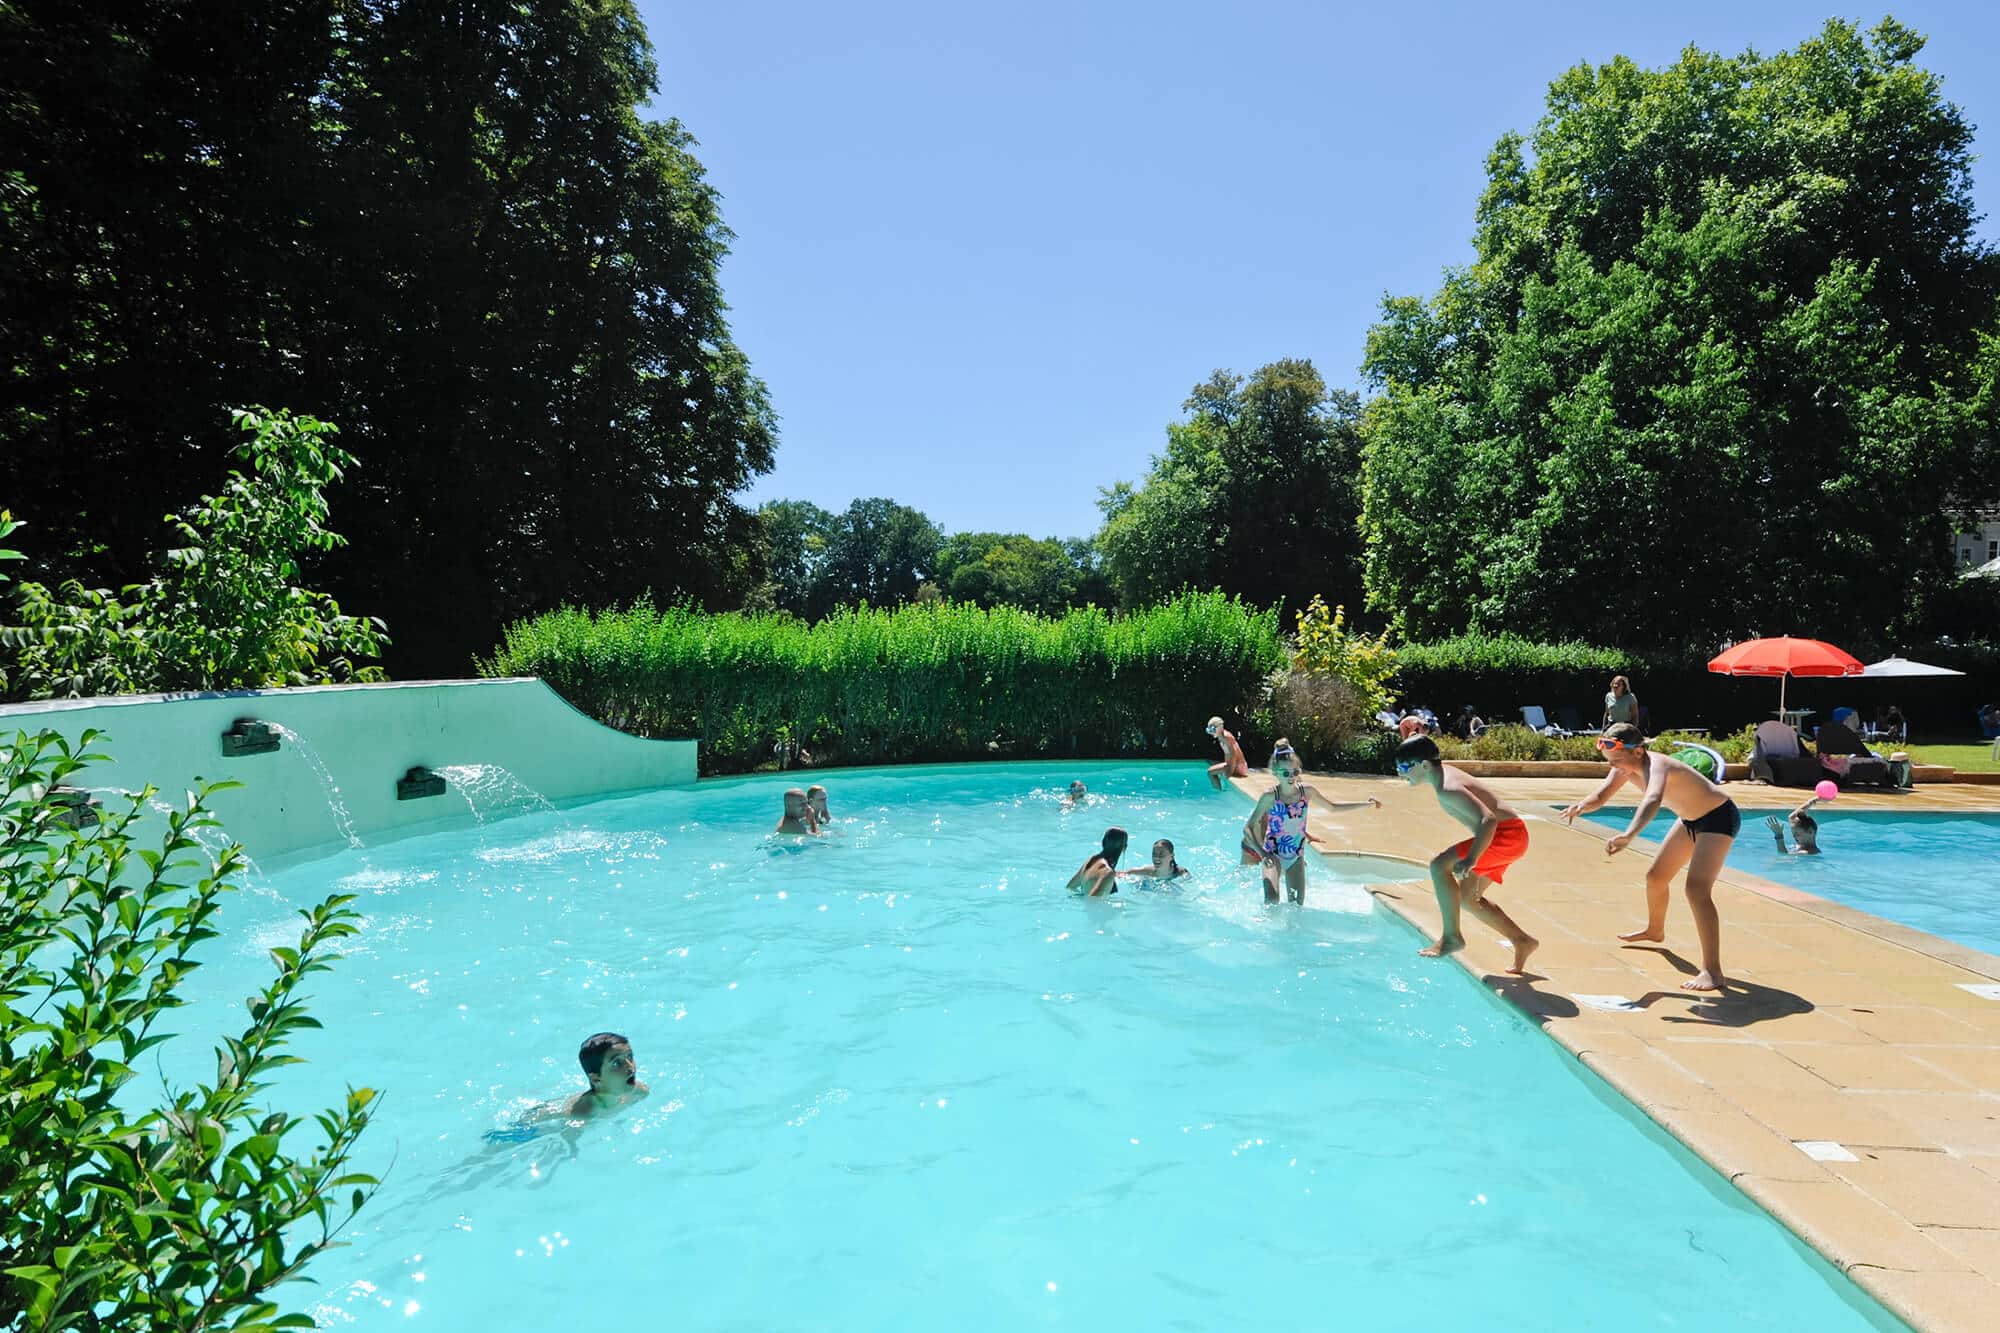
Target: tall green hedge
{"points": [[934, 681]]}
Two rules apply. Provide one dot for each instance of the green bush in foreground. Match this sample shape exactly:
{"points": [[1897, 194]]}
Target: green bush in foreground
{"points": [[180, 1217], [926, 681]]}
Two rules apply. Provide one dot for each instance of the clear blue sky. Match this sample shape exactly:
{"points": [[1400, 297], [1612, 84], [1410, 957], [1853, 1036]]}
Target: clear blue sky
{"points": [[983, 252]]}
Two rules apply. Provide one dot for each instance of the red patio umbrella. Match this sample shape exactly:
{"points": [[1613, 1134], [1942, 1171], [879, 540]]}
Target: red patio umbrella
{"points": [[1785, 657]]}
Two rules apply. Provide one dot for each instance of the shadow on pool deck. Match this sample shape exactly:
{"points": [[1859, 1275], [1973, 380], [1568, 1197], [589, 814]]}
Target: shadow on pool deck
{"points": [[1837, 1028]]}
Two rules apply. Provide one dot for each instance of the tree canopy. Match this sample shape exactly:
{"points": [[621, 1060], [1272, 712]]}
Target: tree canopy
{"points": [[446, 226], [1722, 364], [1255, 494]]}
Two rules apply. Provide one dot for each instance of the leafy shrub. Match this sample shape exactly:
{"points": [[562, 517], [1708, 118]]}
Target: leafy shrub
{"points": [[1318, 711], [1324, 646], [1512, 742], [931, 681], [179, 1217], [224, 609]]}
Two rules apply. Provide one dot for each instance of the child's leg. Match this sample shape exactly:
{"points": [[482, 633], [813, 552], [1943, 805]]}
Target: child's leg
{"points": [[1673, 854], [1272, 874], [1477, 903], [1295, 881], [1215, 772], [1709, 851], [1445, 885]]}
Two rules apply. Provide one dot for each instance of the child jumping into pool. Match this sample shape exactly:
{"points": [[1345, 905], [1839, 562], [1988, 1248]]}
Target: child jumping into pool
{"points": [[1233, 764], [1275, 835], [1099, 874], [1709, 823], [1805, 830], [1164, 865], [1461, 873]]}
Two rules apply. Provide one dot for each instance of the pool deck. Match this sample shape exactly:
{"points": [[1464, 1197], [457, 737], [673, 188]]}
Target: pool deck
{"points": [[1840, 1030]]}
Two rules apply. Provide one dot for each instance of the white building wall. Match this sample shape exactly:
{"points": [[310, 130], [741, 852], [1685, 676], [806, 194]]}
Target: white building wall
{"points": [[1979, 545]]}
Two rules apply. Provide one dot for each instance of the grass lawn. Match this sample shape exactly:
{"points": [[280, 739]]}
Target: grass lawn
{"points": [[1973, 757]]}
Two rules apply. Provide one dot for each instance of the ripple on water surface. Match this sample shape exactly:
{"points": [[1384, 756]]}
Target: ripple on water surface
{"points": [[901, 1078]]}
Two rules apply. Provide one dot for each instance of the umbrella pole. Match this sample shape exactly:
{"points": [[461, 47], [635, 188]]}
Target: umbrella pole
{"points": [[1781, 694]]}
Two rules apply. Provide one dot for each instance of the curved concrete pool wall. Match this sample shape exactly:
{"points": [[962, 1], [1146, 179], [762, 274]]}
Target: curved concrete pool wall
{"points": [[368, 736]]}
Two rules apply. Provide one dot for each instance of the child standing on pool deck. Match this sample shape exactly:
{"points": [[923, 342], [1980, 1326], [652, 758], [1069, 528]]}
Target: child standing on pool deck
{"points": [[1461, 873], [1275, 836], [1233, 764], [1708, 825]]}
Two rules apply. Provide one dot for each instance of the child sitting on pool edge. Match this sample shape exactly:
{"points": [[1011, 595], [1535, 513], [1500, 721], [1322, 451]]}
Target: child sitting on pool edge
{"points": [[1164, 866], [1461, 873], [1233, 764], [1099, 874]]}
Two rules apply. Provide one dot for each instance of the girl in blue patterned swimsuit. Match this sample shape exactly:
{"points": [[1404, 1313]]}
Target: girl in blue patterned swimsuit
{"points": [[1275, 836]]}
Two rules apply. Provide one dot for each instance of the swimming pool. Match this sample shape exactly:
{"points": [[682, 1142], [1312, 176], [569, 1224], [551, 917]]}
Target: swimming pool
{"points": [[901, 1078], [1937, 872]]}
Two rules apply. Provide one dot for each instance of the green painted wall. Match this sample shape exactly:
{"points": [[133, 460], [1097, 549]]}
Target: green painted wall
{"points": [[367, 736]]}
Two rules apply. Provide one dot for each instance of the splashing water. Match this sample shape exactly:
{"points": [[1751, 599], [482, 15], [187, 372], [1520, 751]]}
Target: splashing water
{"points": [[335, 806], [214, 840], [492, 791]]}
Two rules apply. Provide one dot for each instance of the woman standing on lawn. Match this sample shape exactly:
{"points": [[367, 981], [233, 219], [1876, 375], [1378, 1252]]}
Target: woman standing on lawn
{"points": [[1620, 704]]}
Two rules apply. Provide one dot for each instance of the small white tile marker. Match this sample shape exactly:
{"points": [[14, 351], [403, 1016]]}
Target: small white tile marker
{"points": [[1824, 1150], [1985, 990], [1615, 1004]]}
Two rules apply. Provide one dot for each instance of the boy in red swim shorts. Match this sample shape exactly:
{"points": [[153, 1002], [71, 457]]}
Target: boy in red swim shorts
{"points": [[1461, 874]]}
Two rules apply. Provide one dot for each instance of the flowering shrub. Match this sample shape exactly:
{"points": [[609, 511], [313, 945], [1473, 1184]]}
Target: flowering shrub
{"points": [[1325, 646]]}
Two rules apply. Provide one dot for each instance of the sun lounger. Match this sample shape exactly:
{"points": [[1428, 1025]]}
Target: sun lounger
{"points": [[1572, 721], [1778, 756], [1537, 720]]}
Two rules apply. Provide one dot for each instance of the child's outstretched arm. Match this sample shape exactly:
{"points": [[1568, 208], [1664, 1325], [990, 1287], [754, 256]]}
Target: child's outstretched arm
{"points": [[1313, 794]]}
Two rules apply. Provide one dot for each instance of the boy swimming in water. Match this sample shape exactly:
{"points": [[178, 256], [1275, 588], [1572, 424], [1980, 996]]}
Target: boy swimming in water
{"points": [[1461, 873], [1164, 866], [1805, 830], [798, 816], [816, 802], [608, 1063], [1099, 874], [1709, 823]]}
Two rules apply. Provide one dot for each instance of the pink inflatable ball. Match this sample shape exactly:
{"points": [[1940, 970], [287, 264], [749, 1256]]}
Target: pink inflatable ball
{"points": [[1826, 791]]}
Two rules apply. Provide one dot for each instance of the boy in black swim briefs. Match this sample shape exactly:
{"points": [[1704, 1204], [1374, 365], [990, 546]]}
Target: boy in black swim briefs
{"points": [[1709, 823]]}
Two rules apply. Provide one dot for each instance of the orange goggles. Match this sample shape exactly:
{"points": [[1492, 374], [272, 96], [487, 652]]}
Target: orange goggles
{"points": [[1610, 743]]}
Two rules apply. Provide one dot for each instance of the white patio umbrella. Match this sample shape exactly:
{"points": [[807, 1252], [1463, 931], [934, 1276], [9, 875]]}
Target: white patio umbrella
{"points": [[1903, 666]]}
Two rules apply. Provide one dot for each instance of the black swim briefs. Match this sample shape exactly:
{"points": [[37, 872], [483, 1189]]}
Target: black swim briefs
{"points": [[1725, 819]]}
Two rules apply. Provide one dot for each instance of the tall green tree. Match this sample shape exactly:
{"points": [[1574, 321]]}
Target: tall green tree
{"points": [[1715, 370], [1254, 494], [879, 552], [798, 534], [445, 224]]}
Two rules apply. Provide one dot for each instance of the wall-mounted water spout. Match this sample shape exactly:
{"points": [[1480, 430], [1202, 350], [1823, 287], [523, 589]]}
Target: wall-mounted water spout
{"points": [[418, 783], [75, 808], [249, 736]]}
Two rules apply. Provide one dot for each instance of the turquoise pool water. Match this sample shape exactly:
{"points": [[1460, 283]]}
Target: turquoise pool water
{"points": [[902, 1079], [1937, 872]]}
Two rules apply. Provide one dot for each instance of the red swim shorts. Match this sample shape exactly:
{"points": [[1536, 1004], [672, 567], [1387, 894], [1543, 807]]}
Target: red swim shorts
{"points": [[1509, 843]]}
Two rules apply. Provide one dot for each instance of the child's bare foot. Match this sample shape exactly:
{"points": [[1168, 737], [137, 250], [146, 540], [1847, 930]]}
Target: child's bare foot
{"points": [[1524, 946], [1702, 981], [1443, 947], [1634, 936]]}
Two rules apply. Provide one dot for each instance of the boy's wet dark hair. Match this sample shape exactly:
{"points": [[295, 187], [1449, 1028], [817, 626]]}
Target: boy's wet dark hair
{"points": [[1634, 738], [595, 1047], [1417, 749]]}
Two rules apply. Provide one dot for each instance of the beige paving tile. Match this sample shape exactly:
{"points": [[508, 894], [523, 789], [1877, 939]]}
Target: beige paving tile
{"points": [[1848, 1226], [1978, 1246], [1975, 1066], [1928, 1188], [1735, 1145], [1734, 1065], [1935, 1302], [1845, 1117], [1912, 1023], [1651, 1082], [1963, 1124], [1877, 1068]]}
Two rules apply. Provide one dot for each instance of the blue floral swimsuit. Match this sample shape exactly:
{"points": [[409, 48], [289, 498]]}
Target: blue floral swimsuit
{"points": [[1285, 830]]}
